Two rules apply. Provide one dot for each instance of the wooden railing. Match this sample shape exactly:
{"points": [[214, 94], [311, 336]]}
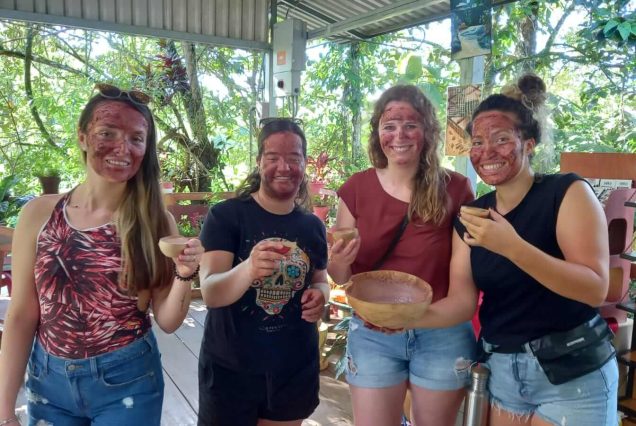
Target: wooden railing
{"points": [[199, 203], [173, 198]]}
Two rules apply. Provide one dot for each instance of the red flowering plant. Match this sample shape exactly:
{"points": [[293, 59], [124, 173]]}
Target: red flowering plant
{"points": [[318, 166]]}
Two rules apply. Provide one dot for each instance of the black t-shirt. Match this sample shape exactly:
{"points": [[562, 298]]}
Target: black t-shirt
{"points": [[516, 308], [263, 331]]}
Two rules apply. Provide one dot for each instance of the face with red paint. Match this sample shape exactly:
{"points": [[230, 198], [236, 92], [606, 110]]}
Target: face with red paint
{"points": [[401, 133], [498, 152], [282, 165], [115, 141]]}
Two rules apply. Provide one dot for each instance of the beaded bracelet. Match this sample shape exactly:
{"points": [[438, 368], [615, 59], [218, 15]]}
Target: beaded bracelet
{"points": [[9, 420], [180, 278]]}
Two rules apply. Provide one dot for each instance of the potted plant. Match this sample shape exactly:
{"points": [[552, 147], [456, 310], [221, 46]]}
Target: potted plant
{"points": [[320, 206], [50, 181], [318, 170]]}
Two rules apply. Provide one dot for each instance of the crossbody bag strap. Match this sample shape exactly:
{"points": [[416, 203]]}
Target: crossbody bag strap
{"points": [[396, 238]]}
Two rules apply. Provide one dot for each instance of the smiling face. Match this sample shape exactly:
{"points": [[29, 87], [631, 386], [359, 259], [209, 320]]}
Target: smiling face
{"points": [[115, 141], [401, 133], [282, 165], [498, 153]]}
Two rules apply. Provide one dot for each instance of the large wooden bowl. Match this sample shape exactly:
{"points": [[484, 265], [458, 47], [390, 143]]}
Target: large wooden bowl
{"points": [[389, 299]]}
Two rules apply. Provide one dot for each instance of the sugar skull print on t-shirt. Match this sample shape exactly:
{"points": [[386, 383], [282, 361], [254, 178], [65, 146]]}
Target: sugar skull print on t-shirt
{"points": [[275, 291]]}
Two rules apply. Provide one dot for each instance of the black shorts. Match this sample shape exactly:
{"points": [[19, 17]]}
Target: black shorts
{"points": [[231, 398]]}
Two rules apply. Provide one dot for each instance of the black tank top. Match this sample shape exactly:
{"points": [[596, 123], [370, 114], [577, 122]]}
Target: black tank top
{"points": [[515, 307]]}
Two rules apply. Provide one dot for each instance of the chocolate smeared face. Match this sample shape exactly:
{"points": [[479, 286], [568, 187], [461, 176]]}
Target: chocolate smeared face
{"points": [[401, 133], [282, 165], [498, 153], [115, 141]]}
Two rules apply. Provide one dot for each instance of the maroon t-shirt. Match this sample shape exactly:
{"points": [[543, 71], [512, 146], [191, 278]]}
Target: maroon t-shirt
{"points": [[424, 249]]}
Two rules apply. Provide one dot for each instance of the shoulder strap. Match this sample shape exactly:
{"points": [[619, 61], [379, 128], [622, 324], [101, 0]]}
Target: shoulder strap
{"points": [[396, 238]]}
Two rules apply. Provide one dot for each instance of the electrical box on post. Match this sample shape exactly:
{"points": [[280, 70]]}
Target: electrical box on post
{"points": [[289, 42]]}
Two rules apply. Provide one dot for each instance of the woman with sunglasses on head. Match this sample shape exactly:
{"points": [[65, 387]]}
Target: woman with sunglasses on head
{"points": [[264, 280], [541, 258], [86, 269], [407, 186]]}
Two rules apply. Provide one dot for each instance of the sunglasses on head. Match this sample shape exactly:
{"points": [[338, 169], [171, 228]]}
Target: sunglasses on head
{"points": [[269, 120], [109, 91]]}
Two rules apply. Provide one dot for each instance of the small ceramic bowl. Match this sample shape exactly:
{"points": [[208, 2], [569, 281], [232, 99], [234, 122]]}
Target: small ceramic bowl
{"points": [[389, 299], [173, 245], [346, 234], [476, 211]]}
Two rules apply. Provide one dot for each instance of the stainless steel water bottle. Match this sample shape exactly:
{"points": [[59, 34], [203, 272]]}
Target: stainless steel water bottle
{"points": [[476, 404]]}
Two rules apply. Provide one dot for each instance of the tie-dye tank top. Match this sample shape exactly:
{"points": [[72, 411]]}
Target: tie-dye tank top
{"points": [[83, 312]]}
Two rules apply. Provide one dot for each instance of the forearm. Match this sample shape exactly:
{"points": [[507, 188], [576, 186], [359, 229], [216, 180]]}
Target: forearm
{"points": [[448, 312], [574, 281], [171, 309], [224, 288], [17, 340], [340, 273]]}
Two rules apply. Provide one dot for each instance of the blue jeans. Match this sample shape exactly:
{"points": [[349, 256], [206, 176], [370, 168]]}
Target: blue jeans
{"points": [[519, 386], [435, 359], [122, 387]]}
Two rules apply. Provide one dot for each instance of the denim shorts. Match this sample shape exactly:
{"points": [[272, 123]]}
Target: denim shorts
{"points": [[123, 387], [518, 385], [436, 359]]}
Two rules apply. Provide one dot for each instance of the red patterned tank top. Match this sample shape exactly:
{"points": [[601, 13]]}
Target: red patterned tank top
{"points": [[83, 312]]}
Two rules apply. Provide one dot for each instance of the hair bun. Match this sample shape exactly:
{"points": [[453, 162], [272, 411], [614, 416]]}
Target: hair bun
{"points": [[533, 89]]}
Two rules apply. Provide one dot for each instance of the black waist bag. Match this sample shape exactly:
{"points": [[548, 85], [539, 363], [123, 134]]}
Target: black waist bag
{"points": [[570, 354]]}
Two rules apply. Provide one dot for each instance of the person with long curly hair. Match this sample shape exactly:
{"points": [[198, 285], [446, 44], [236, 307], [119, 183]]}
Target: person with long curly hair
{"points": [[406, 185], [87, 270]]}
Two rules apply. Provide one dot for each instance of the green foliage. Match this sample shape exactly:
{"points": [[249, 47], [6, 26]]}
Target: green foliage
{"points": [[10, 205], [589, 72], [482, 189], [190, 226], [337, 346], [585, 52]]}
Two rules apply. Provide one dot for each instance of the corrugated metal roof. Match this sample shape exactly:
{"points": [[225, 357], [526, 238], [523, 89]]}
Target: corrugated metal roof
{"points": [[235, 23], [362, 19]]}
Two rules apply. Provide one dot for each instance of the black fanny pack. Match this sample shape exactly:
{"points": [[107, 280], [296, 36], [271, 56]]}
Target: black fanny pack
{"points": [[566, 355]]}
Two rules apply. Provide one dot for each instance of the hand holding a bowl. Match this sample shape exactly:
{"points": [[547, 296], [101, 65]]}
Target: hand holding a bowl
{"points": [[495, 233], [265, 258], [345, 243], [185, 252]]}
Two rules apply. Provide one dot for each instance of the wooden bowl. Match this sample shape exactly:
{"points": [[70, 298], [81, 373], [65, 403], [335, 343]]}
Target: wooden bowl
{"points": [[346, 234], [389, 299], [173, 245], [475, 211]]}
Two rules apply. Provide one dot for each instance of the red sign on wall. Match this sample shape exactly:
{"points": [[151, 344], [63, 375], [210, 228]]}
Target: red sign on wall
{"points": [[281, 57]]}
